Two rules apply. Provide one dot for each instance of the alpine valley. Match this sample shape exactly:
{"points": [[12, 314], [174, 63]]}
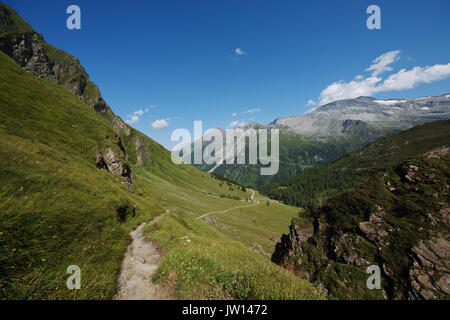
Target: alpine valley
{"points": [[362, 182]]}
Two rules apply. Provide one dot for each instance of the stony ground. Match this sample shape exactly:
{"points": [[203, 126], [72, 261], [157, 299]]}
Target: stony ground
{"points": [[141, 261]]}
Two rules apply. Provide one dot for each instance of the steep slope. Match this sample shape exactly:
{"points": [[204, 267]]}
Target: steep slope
{"points": [[398, 219], [58, 207], [76, 180]]}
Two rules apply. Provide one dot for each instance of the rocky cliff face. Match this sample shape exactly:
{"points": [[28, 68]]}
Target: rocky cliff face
{"points": [[399, 220], [110, 161], [142, 152], [27, 50]]}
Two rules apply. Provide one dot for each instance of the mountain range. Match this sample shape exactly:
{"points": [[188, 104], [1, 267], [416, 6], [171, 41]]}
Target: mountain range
{"points": [[332, 130]]}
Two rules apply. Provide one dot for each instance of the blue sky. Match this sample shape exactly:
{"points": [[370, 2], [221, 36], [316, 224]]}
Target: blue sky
{"points": [[177, 60]]}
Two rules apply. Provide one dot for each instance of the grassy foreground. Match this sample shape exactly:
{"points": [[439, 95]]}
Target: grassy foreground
{"points": [[58, 209]]}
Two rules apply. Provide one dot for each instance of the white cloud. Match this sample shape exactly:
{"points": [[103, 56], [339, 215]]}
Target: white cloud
{"points": [[401, 80], [135, 116], [381, 64], [139, 112], [234, 114], [408, 79], [160, 124], [236, 123], [390, 102], [132, 120], [240, 52], [340, 90], [251, 111]]}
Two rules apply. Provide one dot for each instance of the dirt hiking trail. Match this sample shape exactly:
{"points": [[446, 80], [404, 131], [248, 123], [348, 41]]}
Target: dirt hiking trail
{"points": [[140, 263]]}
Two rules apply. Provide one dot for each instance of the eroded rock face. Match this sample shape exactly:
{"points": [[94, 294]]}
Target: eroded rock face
{"points": [[143, 155], [429, 275], [290, 244], [27, 50], [374, 229], [111, 161], [345, 251], [120, 127], [439, 153]]}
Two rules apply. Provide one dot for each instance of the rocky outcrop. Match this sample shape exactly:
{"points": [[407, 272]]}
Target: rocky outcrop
{"points": [[142, 153], [439, 153], [345, 251], [27, 50], [430, 273], [375, 229], [110, 161], [121, 127], [290, 244]]}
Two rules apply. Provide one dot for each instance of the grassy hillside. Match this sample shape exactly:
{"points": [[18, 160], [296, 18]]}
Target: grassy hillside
{"points": [[58, 208], [313, 186]]}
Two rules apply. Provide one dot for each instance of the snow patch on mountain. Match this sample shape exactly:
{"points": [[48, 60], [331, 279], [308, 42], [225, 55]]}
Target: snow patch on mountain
{"points": [[389, 102]]}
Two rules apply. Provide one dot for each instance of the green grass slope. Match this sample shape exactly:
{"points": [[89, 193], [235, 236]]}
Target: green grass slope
{"points": [[58, 209]]}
